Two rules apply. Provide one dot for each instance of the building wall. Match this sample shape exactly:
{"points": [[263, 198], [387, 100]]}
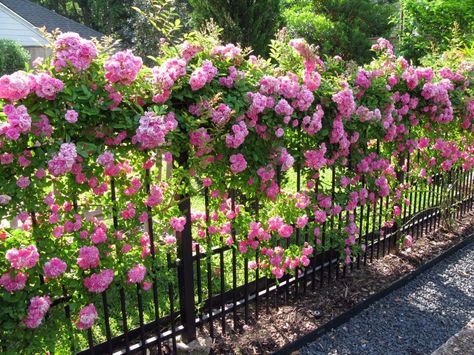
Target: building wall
{"points": [[36, 52], [16, 28]]}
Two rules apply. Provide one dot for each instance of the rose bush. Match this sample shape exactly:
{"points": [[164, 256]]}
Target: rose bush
{"points": [[84, 136]]}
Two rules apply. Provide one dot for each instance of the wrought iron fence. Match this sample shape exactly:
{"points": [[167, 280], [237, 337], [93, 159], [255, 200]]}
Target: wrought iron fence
{"points": [[210, 290]]}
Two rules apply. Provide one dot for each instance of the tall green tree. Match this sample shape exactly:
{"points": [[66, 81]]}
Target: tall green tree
{"points": [[248, 22], [425, 25], [340, 27]]}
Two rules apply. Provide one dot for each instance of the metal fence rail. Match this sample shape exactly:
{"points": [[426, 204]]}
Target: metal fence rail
{"points": [[209, 291]]}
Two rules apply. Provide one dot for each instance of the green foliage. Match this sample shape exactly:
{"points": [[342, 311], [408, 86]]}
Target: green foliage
{"points": [[13, 57], [433, 24], [117, 18], [248, 22], [457, 56], [156, 22], [339, 27]]}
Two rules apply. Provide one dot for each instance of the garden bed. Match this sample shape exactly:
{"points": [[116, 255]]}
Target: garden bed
{"points": [[291, 320]]}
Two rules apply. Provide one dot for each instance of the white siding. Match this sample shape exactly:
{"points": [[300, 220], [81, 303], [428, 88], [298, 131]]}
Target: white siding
{"points": [[16, 28]]}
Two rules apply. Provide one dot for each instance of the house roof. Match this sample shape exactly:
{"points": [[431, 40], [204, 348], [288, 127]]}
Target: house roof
{"points": [[40, 16]]}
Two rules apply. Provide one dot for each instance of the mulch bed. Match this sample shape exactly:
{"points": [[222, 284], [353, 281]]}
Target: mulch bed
{"points": [[295, 318]]}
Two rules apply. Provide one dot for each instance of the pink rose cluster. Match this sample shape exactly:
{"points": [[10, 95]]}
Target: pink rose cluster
{"points": [[19, 121], [88, 257], [236, 139], [227, 52], [221, 115], [37, 309], [202, 75], [345, 102], [315, 158], [13, 283], [189, 50], [47, 87], [106, 159], [238, 163], [17, 86], [71, 116], [20, 84], [122, 67], [153, 129], [165, 76], [136, 274], [99, 282], [54, 268], [71, 49], [63, 162], [87, 317], [178, 223], [24, 258]]}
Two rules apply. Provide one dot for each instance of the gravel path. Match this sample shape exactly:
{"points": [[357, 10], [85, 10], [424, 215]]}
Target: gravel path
{"points": [[413, 320]]}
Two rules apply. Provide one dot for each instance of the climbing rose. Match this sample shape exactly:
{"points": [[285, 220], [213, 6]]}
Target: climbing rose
{"points": [[178, 223], [136, 274], [202, 75], [25, 258], [238, 163], [54, 268], [5, 199], [345, 102], [19, 121], [70, 48], [106, 158], [99, 282], [87, 316], [38, 308], [13, 284], [122, 67], [71, 116], [153, 129], [47, 87], [16, 86], [62, 162], [88, 257]]}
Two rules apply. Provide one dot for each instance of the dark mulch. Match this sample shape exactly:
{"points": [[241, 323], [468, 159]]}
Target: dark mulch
{"points": [[295, 318]]}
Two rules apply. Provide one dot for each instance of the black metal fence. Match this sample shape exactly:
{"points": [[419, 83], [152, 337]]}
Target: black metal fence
{"points": [[209, 291]]}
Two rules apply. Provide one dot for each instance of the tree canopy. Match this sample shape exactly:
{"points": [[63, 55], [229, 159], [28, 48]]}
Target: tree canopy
{"points": [[433, 24], [248, 22], [342, 27]]}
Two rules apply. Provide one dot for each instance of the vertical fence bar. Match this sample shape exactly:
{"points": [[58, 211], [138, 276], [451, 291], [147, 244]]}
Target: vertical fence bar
{"points": [[322, 255], [199, 280], [140, 316], [367, 223], [107, 321], [333, 194], [361, 219], [123, 307], [172, 315], [209, 263], [313, 274], [222, 285], [185, 266], [90, 341], [234, 267], [151, 234], [257, 270]]}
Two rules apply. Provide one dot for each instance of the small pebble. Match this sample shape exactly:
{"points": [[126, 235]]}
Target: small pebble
{"points": [[415, 319]]}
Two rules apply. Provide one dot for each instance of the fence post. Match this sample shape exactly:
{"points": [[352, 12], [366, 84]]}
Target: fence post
{"points": [[185, 265]]}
